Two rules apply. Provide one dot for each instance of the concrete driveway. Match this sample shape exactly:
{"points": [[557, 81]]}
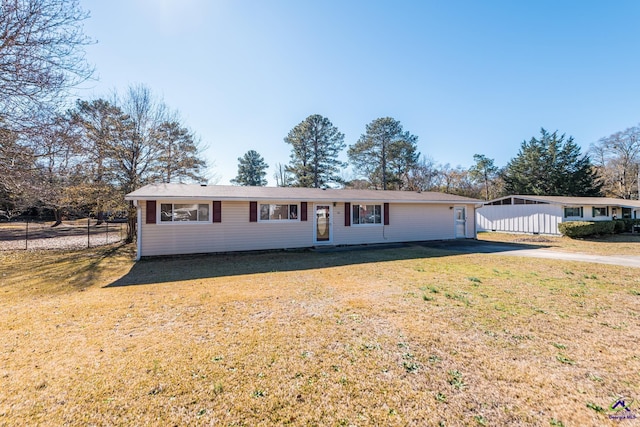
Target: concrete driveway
{"points": [[509, 249]]}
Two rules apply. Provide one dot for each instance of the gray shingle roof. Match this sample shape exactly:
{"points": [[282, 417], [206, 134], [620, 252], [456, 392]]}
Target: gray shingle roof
{"points": [[239, 193]]}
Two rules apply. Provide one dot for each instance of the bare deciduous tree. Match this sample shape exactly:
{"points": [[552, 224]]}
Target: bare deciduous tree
{"points": [[41, 56], [422, 176], [58, 168], [456, 181], [617, 158], [282, 176]]}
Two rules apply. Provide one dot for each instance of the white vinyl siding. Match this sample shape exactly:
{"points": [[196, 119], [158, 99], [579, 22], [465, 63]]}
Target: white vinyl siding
{"points": [[533, 219], [538, 219], [408, 222], [234, 233]]}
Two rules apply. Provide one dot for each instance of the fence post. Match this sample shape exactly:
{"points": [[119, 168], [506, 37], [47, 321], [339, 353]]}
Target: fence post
{"points": [[88, 231], [26, 236]]}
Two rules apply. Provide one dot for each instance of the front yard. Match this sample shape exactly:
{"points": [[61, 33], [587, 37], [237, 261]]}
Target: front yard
{"points": [[411, 336], [614, 244]]}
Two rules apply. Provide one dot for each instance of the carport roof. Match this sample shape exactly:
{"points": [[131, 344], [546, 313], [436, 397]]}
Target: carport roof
{"points": [[573, 201], [242, 193]]}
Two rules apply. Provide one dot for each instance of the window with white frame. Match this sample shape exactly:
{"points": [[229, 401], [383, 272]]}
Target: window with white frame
{"points": [[571, 211], [278, 212], [366, 214], [184, 212], [600, 211]]}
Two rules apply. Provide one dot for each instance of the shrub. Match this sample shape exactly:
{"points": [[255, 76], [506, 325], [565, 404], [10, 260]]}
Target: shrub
{"points": [[629, 223], [576, 228], [619, 226], [586, 228]]}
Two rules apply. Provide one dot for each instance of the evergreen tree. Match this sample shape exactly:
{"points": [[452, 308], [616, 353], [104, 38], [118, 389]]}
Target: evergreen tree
{"points": [[315, 146], [551, 166], [484, 172], [385, 154], [251, 170], [178, 153]]}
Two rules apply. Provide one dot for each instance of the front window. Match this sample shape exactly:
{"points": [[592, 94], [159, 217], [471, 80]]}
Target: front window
{"points": [[572, 212], [184, 212], [367, 214], [600, 211], [276, 212], [626, 212]]}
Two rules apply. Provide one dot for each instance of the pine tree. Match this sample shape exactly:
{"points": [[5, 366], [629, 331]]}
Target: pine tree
{"points": [[385, 154], [315, 146], [251, 170], [178, 154], [484, 172]]}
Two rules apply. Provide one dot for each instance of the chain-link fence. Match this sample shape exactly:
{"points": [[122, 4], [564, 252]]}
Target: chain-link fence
{"points": [[83, 233]]}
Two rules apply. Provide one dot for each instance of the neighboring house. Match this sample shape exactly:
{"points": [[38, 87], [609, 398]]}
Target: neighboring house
{"points": [[192, 218], [542, 214]]}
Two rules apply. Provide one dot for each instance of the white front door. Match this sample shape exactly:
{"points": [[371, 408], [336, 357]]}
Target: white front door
{"points": [[460, 218], [322, 230]]}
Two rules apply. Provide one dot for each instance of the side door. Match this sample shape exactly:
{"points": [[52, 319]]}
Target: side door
{"points": [[460, 219]]}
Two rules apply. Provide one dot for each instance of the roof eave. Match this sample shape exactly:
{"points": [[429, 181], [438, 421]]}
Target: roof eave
{"points": [[313, 199]]}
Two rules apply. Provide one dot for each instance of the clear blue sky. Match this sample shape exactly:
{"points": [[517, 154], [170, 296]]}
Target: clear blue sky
{"points": [[466, 77]]}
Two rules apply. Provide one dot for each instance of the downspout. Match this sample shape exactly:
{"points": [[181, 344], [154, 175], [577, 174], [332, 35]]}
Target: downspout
{"points": [[139, 231], [475, 223], [475, 219]]}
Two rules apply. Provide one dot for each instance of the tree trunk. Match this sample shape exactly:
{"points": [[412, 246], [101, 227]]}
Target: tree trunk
{"points": [[58, 218], [100, 218], [132, 221]]}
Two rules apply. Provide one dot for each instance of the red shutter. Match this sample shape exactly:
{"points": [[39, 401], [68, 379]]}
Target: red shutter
{"points": [[151, 211], [386, 214], [347, 214], [217, 211], [253, 211], [303, 211]]}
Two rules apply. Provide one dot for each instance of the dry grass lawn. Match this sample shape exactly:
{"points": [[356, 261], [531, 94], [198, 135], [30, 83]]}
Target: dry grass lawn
{"points": [[411, 336]]}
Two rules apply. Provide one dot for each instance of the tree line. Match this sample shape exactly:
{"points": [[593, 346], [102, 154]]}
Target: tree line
{"points": [[386, 157], [84, 156]]}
